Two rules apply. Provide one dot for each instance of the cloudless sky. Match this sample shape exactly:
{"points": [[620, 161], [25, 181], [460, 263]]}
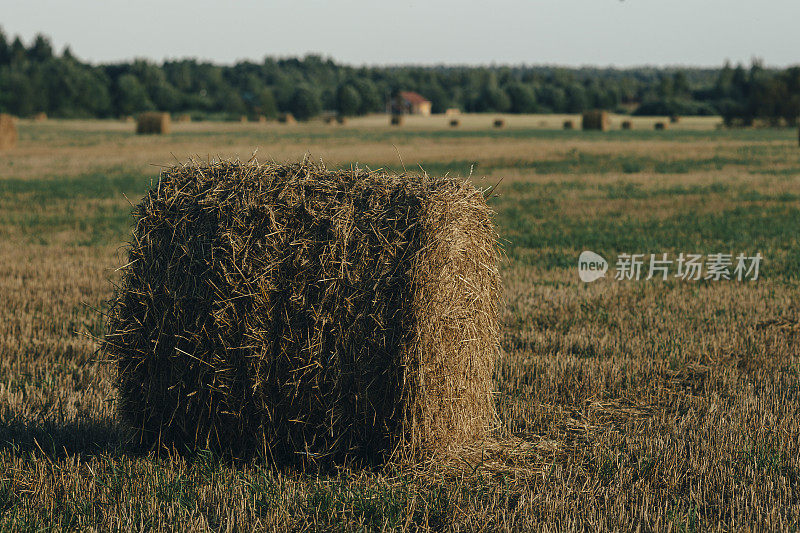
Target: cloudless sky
{"points": [[565, 32]]}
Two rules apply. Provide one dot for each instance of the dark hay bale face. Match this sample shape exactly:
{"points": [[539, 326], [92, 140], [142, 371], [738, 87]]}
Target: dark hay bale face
{"points": [[627, 125], [568, 125], [312, 316], [499, 123], [660, 126], [153, 123], [595, 120]]}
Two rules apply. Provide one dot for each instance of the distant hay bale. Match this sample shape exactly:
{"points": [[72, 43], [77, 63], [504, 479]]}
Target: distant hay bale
{"points": [[455, 123], [595, 120], [397, 120], [499, 123], [153, 123], [184, 117], [243, 119], [286, 118], [40, 117], [262, 119], [314, 316], [627, 125], [452, 112], [8, 132], [568, 125], [660, 125], [674, 119]]}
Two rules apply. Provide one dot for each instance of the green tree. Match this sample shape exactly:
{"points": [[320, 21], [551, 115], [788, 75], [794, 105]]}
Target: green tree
{"points": [[266, 103], [348, 101], [41, 50], [131, 96], [523, 99], [305, 103], [5, 49]]}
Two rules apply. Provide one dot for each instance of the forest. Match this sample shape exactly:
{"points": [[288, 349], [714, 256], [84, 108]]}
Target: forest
{"points": [[34, 78]]}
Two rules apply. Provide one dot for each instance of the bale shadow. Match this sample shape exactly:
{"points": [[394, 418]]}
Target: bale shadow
{"points": [[85, 437]]}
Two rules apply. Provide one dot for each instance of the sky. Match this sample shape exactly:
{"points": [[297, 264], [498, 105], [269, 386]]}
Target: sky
{"points": [[619, 33]]}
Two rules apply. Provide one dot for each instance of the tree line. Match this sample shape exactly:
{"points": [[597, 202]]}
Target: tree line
{"points": [[35, 79]]}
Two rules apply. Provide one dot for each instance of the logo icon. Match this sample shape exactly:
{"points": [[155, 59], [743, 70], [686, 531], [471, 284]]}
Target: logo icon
{"points": [[591, 266]]}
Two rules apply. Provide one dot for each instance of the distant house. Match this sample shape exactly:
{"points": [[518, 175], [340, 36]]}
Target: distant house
{"points": [[411, 103]]}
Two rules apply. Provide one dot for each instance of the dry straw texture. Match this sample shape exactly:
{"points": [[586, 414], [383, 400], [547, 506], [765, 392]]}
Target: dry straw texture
{"points": [[153, 122], [595, 120], [8, 132], [314, 316]]}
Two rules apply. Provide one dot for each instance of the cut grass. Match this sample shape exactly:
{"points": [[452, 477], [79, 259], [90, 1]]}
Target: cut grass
{"points": [[636, 404]]}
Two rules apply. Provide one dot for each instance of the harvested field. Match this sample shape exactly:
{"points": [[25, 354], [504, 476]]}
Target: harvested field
{"points": [[660, 404]]}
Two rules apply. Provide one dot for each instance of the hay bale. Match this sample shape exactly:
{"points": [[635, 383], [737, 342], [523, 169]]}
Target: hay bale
{"points": [[595, 120], [8, 132], [660, 126], [568, 125], [243, 119], [397, 120], [314, 316], [627, 125], [40, 117], [262, 119], [499, 123], [455, 123], [452, 112], [153, 123], [286, 118]]}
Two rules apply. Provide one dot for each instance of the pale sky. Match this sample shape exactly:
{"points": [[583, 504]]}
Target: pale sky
{"points": [[356, 32]]}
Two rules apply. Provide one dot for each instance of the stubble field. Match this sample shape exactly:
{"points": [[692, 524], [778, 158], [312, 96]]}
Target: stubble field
{"points": [[623, 404]]}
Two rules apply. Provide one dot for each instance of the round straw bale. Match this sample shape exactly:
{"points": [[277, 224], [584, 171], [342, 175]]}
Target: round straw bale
{"points": [[153, 123], [8, 132], [310, 315]]}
